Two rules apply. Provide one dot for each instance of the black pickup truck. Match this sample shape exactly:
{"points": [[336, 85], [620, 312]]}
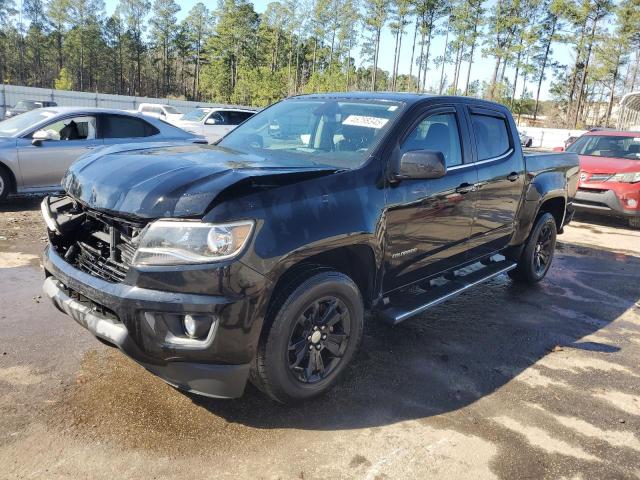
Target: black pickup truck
{"points": [[258, 257]]}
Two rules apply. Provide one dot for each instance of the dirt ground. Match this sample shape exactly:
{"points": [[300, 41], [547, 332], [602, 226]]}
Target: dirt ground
{"points": [[502, 382]]}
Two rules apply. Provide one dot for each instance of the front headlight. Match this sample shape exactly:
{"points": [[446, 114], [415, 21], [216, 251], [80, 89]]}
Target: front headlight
{"points": [[626, 177], [167, 242]]}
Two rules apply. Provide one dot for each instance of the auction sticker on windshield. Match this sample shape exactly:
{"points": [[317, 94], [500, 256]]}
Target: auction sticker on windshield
{"points": [[365, 121]]}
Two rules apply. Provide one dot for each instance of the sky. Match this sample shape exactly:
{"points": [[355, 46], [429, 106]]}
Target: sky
{"points": [[482, 68]]}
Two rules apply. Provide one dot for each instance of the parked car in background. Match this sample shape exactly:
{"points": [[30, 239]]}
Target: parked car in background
{"points": [[609, 174], [213, 123], [525, 140], [164, 112], [570, 141], [38, 146], [26, 105], [257, 258]]}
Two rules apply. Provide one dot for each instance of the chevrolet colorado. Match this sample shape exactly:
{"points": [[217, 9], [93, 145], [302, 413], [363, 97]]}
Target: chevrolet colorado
{"points": [[257, 258]]}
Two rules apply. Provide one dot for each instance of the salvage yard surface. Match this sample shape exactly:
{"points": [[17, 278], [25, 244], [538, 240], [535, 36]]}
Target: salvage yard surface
{"points": [[503, 382]]}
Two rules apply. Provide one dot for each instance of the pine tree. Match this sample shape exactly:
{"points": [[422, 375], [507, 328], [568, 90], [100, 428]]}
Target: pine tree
{"points": [[375, 18]]}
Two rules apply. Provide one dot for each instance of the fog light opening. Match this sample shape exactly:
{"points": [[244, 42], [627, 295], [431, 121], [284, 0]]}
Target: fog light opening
{"points": [[631, 202], [197, 326]]}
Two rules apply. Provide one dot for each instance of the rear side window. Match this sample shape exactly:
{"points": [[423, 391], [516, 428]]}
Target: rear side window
{"points": [[492, 135], [119, 126], [236, 118]]}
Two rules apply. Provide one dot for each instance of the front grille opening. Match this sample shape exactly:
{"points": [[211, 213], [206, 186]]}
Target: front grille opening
{"points": [[105, 251], [102, 246]]}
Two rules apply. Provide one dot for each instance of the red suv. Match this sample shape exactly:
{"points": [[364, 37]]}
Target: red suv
{"points": [[609, 174]]}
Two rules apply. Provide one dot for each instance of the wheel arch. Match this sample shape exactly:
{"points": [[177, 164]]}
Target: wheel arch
{"points": [[12, 177], [556, 206], [358, 262]]}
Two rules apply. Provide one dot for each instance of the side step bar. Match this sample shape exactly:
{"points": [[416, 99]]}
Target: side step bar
{"points": [[403, 306]]}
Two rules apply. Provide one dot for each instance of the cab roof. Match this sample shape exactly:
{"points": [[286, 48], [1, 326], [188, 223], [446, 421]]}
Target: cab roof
{"points": [[404, 97]]}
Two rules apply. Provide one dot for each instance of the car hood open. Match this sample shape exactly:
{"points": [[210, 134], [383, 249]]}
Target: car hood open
{"points": [[150, 181]]}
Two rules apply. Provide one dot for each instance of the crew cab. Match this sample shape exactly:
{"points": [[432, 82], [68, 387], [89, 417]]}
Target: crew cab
{"points": [[609, 174], [258, 257]]}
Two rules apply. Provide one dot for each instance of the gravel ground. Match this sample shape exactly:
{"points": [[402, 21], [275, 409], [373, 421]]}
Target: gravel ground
{"points": [[503, 382]]}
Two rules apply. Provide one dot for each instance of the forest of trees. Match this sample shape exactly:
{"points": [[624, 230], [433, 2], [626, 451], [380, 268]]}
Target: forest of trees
{"points": [[232, 54]]}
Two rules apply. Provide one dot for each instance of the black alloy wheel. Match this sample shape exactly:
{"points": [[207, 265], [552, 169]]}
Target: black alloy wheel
{"points": [[537, 254], [319, 339], [543, 249], [310, 336]]}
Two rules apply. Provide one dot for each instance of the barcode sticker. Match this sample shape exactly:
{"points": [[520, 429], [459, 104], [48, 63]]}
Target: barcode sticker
{"points": [[364, 121]]}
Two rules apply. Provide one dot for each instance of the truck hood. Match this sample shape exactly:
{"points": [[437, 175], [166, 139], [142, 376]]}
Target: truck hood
{"points": [[150, 181], [608, 164]]}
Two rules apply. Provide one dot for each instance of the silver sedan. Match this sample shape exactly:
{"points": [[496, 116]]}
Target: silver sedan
{"points": [[37, 147]]}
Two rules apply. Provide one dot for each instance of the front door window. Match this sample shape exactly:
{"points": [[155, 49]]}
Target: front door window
{"points": [[75, 128]]}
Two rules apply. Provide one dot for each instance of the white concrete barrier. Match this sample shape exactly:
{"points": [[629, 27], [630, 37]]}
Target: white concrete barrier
{"points": [[549, 137], [12, 94]]}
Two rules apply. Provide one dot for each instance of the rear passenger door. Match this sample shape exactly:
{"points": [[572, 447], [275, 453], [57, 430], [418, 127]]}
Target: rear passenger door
{"points": [[501, 177]]}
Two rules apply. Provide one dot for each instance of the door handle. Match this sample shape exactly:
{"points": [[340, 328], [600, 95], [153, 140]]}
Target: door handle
{"points": [[465, 188], [513, 176]]}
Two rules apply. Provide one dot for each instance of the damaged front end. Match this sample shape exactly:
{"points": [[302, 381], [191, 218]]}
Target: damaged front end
{"points": [[93, 242], [189, 324]]}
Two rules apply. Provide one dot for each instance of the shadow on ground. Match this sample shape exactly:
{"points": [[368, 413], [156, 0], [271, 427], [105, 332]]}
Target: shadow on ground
{"points": [[603, 221], [21, 203], [461, 351]]}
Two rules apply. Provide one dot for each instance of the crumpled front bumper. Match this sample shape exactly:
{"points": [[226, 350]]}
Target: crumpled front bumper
{"points": [[82, 297]]}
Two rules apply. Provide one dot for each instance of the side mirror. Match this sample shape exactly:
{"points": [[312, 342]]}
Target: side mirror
{"points": [[558, 149], [40, 136], [210, 121], [422, 164]]}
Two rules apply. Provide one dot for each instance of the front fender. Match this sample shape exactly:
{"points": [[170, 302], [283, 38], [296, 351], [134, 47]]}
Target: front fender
{"points": [[307, 218]]}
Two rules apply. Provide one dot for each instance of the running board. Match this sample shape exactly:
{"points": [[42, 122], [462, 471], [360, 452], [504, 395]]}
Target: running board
{"points": [[403, 306]]}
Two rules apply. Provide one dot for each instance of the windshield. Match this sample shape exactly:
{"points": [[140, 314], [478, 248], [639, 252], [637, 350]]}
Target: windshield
{"points": [[195, 115], [15, 125], [340, 133], [171, 110], [607, 146], [25, 105]]}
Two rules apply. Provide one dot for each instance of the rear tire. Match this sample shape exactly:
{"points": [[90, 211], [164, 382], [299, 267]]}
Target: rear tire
{"points": [[311, 335], [537, 255], [5, 183], [634, 222]]}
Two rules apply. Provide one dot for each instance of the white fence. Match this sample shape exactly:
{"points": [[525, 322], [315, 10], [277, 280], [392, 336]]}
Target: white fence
{"points": [[549, 137], [12, 94]]}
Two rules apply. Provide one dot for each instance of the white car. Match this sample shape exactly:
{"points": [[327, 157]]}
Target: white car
{"points": [[525, 140], [37, 147], [164, 112], [213, 123]]}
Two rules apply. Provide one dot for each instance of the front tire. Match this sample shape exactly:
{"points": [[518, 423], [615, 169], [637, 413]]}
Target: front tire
{"points": [[535, 260], [634, 222], [5, 184], [313, 333]]}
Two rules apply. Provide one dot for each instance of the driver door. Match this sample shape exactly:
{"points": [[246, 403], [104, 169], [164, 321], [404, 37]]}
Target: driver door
{"points": [[43, 164], [429, 221], [216, 126]]}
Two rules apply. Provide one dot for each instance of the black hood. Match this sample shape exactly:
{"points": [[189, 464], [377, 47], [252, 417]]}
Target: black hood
{"points": [[167, 180]]}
